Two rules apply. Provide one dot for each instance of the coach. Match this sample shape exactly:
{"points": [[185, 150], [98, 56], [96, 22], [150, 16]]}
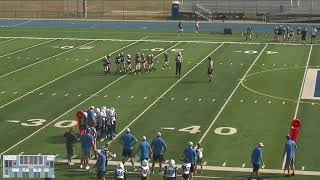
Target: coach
{"points": [[179, 59]]}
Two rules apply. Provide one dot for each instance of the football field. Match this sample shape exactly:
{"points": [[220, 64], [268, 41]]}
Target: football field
{"points": [[257, 89]]}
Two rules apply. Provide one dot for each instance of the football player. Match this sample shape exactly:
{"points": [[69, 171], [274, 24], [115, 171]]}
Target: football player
{"points": [[166, 61], [249, 33], [145, 170], [180, 29], [120, 172], [275, 34], [144, 63], [138, 64], [186, 170], [129, 68], [117, 61], [291, 35], [151, 63], [170, 171], [299, 31], [210, 68], [106, 63], [122, 62], [197, 26]]}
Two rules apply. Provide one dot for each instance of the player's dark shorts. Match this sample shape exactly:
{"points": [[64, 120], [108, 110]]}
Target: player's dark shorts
{"points": [[199, 160], [129, 62], [170, 178], [158, 157], [313, 36], [185, 176], [86, 152], [210, 71], [289, 161], [304, 37], [101, 174], [127, 153], [256, 167], [192, 168], [143, 178], [70, 149]]}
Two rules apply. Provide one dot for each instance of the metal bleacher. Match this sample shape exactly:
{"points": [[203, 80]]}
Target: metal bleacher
{"points": [[272, 9]]}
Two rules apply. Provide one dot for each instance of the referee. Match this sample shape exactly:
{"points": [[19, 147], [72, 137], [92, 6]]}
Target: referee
{"points": [[179, 59]]}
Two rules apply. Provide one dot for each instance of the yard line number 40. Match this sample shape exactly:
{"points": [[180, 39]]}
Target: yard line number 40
{"points": [[224, 131]]}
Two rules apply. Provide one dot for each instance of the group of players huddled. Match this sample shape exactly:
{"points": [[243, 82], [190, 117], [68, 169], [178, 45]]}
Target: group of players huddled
{"points": [[124, 63], [287, 34]]}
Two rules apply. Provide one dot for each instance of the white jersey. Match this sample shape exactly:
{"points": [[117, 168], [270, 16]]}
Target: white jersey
{"points": [[210, 65], [145, 171], [314, 32], [199, 152], [170, 171], [113, 115], [119, 173], [186, 168]]}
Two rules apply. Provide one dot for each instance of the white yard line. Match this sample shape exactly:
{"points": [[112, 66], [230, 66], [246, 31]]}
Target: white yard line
{"points": [[28, 48], [4, 105], [7, 41], [299, 98], [152, 40], [46, 59], [210, 168], [93, 95], [158, 98], [235, 89]]}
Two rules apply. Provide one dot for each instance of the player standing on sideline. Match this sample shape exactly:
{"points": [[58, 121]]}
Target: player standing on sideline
{"points": [[138, 64], [159, 148], [190, 157], [290, 149], [91, 117], [186, 170], [180, 29], [128, 140], [304, 36], [287, 34], [314, 33], [291, 35], [117, 61], [145, 170], [87, 144], [145, 149], [106, 63], [199, 152], [210, 68], [129, 68], [299, 31], [166, 61], [256, 160], [249, 33], [179, 60], [275, 34], [170, 171], [122, 62], [70, 138], [120, 173], [151, 63], [101, 165], [197, 26], [143, 62]]}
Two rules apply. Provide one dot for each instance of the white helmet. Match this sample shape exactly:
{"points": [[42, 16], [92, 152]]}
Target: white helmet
{"points": [[172, 162], [85, 113], [98, 110], [129, 56], [144, 163], [120, 165], [112, 109], [179, 53], [103, 108]]}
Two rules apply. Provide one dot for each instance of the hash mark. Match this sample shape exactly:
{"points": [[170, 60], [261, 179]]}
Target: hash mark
{"points": [[243, 165], [256, 101], [200, 99], [241, 100], [53, 94], [40, 94], [132, 97], [145, 97], [186, 99], [172, 99], [224, 164], [79, 95], [66, 94], [3, 92], [15, 92], [118, 97], [105, 96], [213, 100]]}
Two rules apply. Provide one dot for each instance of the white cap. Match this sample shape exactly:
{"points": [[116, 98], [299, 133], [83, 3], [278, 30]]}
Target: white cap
{"points": [[127, 130], [158, 134], [190, 143], [172, 162], [144, 163], [120, 165], [91, 107], [143, 138], [260, 144]]}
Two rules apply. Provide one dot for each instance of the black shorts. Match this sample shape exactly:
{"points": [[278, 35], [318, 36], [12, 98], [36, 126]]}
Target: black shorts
{"points": [[143, 178], [256, 167], [70, 149], [304, 37], [158, 157], [101, 174], [210, 71], [185, 176], [170, 178], [127, 153], [313, 36], [192, 168]]}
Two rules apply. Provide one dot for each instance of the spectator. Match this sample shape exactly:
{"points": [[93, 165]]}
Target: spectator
{"points": [[199, 153], [256, 160], [190, 157], [290, 149], [71, 138], [145, 149], [159, 147], [101, 165], [128, 140], [87, 143]]}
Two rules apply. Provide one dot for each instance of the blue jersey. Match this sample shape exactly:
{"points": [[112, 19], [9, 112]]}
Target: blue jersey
{"points": [[257, 155], [86, 141], [170, 171], [101, 161], [158, 146], [145, 150], [291, 148], [190, 155], [90, 118], [128, 140]]}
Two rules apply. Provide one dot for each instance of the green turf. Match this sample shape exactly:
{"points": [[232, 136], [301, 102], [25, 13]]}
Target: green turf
{"points": [[35, 85]]}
